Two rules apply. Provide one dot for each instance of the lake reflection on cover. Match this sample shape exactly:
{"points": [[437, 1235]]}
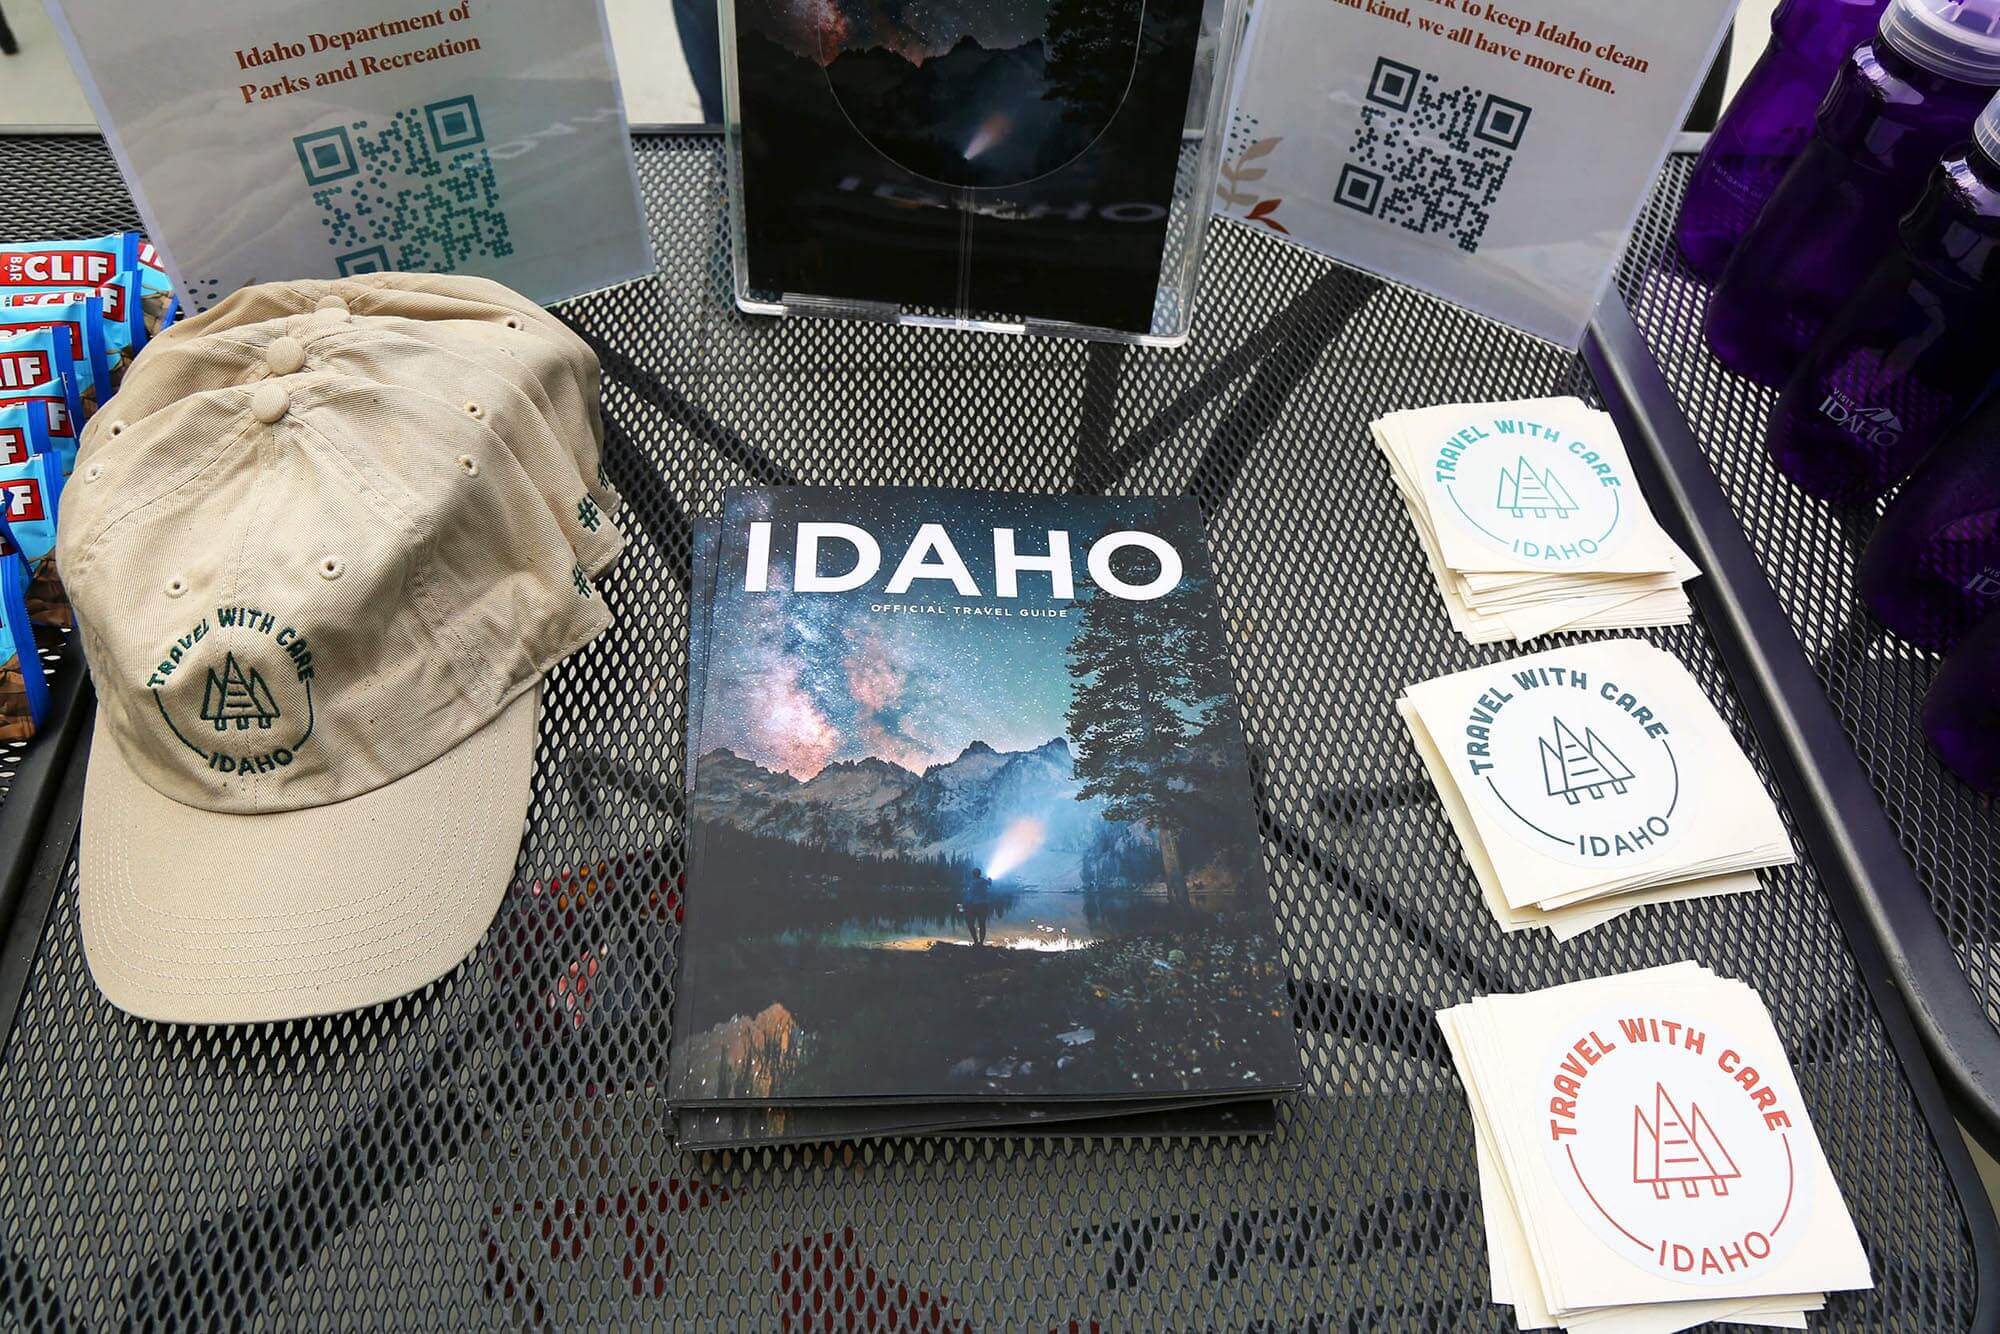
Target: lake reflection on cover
{"points": [[1050, 921]]}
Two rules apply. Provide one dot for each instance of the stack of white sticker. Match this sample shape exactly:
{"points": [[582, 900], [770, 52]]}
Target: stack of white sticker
{"points": [[1589, 780], [1646, 1163], [1532, 520]]}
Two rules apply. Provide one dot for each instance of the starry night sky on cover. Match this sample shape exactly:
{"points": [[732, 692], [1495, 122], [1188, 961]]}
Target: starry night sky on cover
{"points": [[915, 29], [799, 680]]}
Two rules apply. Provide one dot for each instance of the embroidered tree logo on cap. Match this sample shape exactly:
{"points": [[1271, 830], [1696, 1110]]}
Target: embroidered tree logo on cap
{"points": [[236, 698], [236, 690]]}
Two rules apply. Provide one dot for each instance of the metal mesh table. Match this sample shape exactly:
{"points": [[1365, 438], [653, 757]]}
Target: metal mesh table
{"points": [[1935, 860], [493, 1150]]}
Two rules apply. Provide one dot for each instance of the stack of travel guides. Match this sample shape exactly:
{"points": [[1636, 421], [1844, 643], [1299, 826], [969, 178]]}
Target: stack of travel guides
{"points": [[1532, 520], [971, 843], [1590, 780], [1646, 1161]]}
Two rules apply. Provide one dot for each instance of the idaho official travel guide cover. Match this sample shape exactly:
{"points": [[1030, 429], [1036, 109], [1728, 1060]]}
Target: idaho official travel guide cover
{"points": [[970, 818]]}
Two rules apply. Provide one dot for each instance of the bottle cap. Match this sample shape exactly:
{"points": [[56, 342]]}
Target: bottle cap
{"points": [[1957, 39], [1986, 131]]}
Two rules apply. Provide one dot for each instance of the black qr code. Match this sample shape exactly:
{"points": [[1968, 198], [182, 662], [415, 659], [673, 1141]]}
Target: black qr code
{"points": [[1430, 158], [418, 192]]}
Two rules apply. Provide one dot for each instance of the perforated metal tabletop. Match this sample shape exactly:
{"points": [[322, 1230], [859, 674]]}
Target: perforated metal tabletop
{"points": [[493, 1151]]}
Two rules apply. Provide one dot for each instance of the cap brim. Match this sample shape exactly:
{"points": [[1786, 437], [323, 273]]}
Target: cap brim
{"points": [[192, 916]]}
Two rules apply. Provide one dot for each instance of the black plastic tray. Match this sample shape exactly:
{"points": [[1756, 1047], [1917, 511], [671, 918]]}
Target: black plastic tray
{"points": [[1922, 847], [31, 771], [491, 1152]]}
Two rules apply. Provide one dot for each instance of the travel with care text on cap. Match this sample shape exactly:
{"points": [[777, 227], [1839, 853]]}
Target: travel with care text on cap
{"points": [[323, 547]]}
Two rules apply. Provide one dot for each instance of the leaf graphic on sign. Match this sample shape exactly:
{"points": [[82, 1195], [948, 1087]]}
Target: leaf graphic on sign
{"points": [[1238, 172], [1262, 214]]}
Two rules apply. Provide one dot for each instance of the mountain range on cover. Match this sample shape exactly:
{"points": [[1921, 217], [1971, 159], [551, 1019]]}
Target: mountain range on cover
{"points": [[957, 809]]}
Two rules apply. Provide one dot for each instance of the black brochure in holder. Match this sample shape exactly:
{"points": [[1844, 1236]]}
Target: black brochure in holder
{"points": [[1012, 165]]}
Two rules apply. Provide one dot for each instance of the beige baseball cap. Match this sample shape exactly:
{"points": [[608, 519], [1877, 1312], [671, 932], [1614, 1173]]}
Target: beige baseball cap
{"points": [[473, 366], [417, 296], [317, 612]]}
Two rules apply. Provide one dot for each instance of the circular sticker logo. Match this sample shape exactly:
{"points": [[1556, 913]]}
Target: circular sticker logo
{"points": [[1533, 490], [1579, 769], [1674, 1142], [235, 690]]}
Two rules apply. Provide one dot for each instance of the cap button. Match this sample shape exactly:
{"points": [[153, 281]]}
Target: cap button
{"points": [[285, 355], [270, 402], [331, 303]]}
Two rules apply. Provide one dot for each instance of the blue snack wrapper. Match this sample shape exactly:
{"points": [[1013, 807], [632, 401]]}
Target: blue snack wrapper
{"points": [[124, 315], [24, 433], [152, 274], [81, 321], [44, 353], [30, 493], [30, 503], [47, 402], [86, 264], [24, 683]]}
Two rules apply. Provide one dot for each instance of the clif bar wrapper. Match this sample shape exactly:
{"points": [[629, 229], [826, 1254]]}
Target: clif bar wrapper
{"points": [[24, 685], [30, 496], [34, 356], [24, 433], [90, 264], [124, 317], [81, 322], [162, 305], [35, 368], [69, 263], [49, 401], [154, 272]]}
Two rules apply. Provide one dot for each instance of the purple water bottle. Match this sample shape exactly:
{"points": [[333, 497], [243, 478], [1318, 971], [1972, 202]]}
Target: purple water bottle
{"points": [[1962, 711], [1932, 570], [1767, 124], [1896, 104], [1913, 345]]}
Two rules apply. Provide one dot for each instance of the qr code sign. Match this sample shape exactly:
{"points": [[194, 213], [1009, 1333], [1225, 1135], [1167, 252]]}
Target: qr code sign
{"points": [[1428, 158], [419, 193]]}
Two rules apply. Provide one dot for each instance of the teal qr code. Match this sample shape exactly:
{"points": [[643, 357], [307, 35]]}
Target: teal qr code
{"points": [[416, 193]]}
